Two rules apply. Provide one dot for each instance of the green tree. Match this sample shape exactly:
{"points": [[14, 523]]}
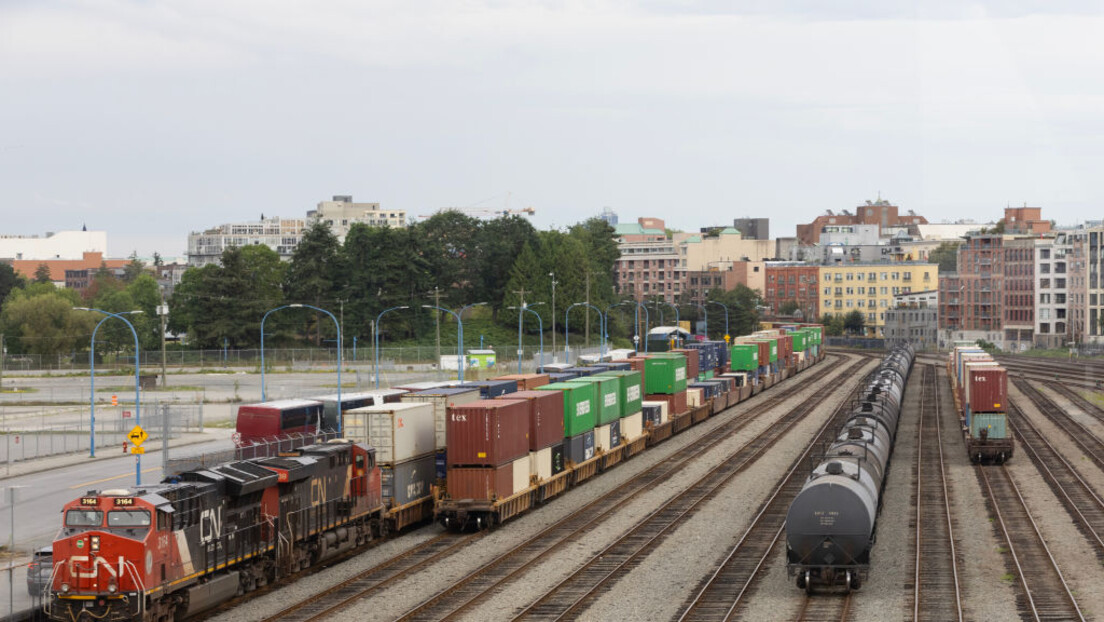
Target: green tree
{"points": [[312, 275], [501, 241], [833, 324], [946, 255], [854, 322], [227, 301], [451, 242], [134, 268], [40, 320], [42, 274], [9, 280], [789, 307], [103, 283], [743, 311]]}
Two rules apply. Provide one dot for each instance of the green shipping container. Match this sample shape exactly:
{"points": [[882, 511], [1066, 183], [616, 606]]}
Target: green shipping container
{"points": [[632, 397], [607, 394], [744, 357], [665, 374], [799, 339], [996, 423], [579, 412]]}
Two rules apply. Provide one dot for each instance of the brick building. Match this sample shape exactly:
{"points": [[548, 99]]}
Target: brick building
{"points": [[792, 282], [879, 212]]}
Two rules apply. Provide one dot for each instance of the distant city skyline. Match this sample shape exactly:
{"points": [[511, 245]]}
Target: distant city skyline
{"points": [[150, 120]]}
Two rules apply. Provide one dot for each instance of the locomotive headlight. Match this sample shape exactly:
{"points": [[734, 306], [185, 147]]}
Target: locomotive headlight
{"points": [[112, 588], [95, 548], [64, 588]]}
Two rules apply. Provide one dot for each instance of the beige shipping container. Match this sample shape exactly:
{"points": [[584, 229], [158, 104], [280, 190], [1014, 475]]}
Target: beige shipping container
{"points": [[398, 431], [602, 438], [664, 415], [693, 398], [632, 426], [521, 474], [441, 399], [540, 464]]}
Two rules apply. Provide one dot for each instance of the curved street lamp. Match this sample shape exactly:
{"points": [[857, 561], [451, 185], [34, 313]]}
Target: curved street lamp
{"points": [[459, 338], [725, 307], [92, 375], [137, 386], [540, 324], [339, 346], [376, 335], [567, 329]]}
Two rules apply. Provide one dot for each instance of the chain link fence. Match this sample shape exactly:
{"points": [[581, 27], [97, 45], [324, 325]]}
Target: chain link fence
{"points": [[275, 358], [158, 420]]}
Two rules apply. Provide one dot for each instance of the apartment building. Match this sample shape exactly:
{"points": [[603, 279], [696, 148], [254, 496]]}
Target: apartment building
{"points": [[870, 288], [725, 275], [649, 262], [914, 317], [1094, 287], [280, 234], [881, 213], [792, 282], [1059, 289], [342, 213]]}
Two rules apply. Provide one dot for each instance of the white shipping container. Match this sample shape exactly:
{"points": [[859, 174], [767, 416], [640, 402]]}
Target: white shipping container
{"points": [[521, 473], [540, 464], [440, 405], [664, 416], [398, 431], [693, 398], [632, 426], [602, 438]]}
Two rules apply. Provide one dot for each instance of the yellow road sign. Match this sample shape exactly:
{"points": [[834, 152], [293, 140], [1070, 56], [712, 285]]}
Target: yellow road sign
{"points": [[135, 449], [137, 436]]}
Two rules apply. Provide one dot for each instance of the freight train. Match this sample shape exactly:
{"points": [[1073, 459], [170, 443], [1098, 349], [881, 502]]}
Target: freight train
{"points": [[830, 523], [207, 534], [980, 387]]}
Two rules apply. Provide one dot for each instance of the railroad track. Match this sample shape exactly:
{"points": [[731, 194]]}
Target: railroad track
{"points": [[370, 581], [821, 607], [937, 593], [504, 569], [1045, 595], [337, 597], [1076, 398], [1089, 443], [720, 596], [1085, 507], [572, 595], [1067, 372]]}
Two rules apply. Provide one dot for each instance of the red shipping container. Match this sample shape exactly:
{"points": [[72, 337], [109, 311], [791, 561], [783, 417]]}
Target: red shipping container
{"points": [[488, 432], [785, 348], [527, 381], [546, 416], [693, 362], [481, 483], [988, 390], [676, 403]]}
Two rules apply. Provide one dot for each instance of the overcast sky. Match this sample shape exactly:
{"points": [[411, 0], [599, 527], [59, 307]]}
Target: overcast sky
{"points": [[155, 118]]}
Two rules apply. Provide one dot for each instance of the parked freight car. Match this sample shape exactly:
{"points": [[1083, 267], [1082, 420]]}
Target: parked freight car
{"points": [[492, 498], [980, 388], [830, 523]]}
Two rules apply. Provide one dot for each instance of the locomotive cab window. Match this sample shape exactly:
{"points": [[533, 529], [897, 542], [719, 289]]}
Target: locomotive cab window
{"points": [[128, 518], [83, 518]]}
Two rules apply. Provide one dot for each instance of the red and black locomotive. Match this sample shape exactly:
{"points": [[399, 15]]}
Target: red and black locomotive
{"points": [[171, 550]]}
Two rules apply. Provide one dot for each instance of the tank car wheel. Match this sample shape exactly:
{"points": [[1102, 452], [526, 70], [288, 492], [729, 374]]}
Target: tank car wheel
{"points": [[856, 582], [808, 582], [847, 580]]}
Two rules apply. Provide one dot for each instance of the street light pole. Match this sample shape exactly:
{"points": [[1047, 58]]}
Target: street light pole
{"points": [[552, 274], [567, 328], [725, 307], [339, 347], [92, 380], [163, 311], [540, 325], [137, 386], [459, 338], [376, 336]]}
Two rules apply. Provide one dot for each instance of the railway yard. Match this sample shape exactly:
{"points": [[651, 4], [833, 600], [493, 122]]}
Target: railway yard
{"points": [[693, 529]]}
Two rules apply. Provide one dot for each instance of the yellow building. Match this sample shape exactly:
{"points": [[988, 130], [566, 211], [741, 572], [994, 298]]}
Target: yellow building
{"points": [[869, 289]]}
